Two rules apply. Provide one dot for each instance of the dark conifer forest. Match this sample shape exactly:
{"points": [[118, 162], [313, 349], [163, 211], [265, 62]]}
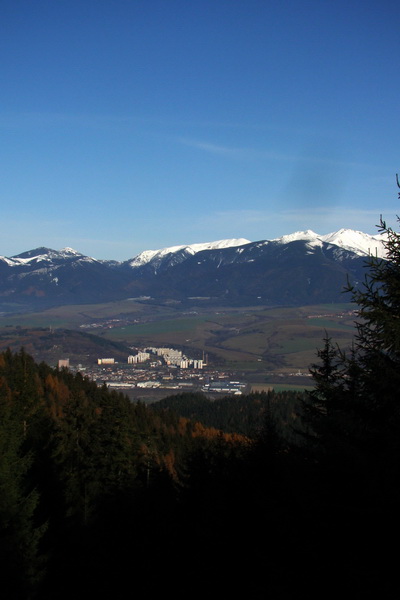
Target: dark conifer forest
{"points": [[278, 495]]}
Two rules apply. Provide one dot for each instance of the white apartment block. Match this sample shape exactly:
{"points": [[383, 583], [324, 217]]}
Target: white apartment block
{"points": [[194, 364], [140, 357]]}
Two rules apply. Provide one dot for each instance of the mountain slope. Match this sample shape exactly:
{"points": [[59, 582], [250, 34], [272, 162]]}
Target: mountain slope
{"points": [[44, 277], [258, 273], [300, 268], [167, 257]]}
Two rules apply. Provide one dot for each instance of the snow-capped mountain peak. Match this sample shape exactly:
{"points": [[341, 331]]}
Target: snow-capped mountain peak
{"points": [[47, 257], [357, 241], [69, 252], [362, 244]]}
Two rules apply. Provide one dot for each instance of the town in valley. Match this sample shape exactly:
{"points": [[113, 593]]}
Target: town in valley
{"points": [[156, 371]]}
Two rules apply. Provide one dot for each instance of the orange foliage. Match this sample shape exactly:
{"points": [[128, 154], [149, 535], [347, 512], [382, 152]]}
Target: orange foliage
{"points": [[169, 462], [182, 425], [57, 394], [211, 433]]}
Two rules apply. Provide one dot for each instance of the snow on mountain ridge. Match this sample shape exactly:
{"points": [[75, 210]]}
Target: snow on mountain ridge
{"points": [[11, 262], [297, 235], [151, 255], [348, 239]]}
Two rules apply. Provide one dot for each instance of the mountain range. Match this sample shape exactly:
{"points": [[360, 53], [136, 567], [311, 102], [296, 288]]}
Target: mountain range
{"points": [[299, 268]]}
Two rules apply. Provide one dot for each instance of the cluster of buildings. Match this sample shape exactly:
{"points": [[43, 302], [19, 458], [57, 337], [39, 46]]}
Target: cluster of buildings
{"points": [[164, 368], [169, 356], [225, 387]]}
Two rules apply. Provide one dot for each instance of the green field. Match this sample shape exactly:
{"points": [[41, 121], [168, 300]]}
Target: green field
{"points": [[155, 328]]}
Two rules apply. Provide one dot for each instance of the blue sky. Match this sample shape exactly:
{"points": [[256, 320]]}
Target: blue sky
{"points": [[129, 125]]}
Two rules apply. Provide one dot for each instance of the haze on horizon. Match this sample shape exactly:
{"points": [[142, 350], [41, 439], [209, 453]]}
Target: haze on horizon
{"points": [[129, 126]]}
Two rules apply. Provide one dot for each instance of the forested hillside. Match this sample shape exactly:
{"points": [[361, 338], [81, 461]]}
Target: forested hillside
{"points": [[100, 494], [80, 464], [244, 414]]}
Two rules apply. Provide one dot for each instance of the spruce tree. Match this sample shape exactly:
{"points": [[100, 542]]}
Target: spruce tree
{"points": [[320, 403], [377, 350], [379, 300], [354, 409]]}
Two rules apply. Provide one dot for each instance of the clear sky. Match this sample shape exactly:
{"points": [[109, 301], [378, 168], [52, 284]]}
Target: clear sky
{"points": [[129, 125]]}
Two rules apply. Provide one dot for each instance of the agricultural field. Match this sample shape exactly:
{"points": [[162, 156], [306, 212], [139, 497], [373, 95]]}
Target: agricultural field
{"points": [[74, 316], [257, 341], [284, 338]]}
